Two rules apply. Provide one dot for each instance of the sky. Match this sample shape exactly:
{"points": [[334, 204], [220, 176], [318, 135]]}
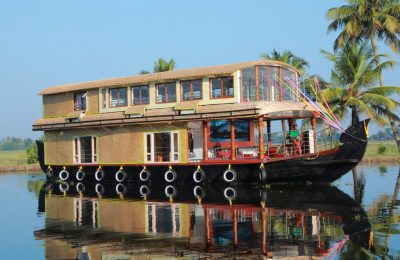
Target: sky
{"points": [[47, 43]]}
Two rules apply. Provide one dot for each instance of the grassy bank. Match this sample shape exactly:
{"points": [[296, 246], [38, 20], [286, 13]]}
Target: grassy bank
{"points": [[14, 161], [390, 154]]}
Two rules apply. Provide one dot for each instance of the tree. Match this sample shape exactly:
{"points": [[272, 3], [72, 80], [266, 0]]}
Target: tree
{"points": [[288, 57], [353, 76], [162, 65], [142, 72], [369, 20], [32, 154]]}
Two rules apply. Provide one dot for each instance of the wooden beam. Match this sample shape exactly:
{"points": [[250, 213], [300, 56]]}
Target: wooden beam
{"points": [[261, 137], [235, 228]]}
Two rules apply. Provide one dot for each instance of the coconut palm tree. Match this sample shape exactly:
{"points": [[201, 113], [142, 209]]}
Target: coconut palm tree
{"points": [[354, 76], [289, 58], [369, 20], [162, 65]]}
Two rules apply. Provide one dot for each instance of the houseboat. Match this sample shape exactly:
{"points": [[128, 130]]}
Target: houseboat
{"points": [[243, 122], [280, 222]]}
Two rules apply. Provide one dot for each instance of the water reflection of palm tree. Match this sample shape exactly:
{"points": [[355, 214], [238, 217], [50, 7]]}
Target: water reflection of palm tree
{"points": [[383, 218]]}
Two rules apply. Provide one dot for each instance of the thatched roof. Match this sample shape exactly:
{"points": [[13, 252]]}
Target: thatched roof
{"points": [[162, 76]]}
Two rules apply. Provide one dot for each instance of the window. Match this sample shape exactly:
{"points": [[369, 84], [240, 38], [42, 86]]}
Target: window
{"points": [[80, 101], [118, 97], [191, 90], [140, 95], [85, 149], [289, 83], [220, 130], [222, 87], [162, 147], [274, 83], [255, 83], [104, 98], [166, 92]]}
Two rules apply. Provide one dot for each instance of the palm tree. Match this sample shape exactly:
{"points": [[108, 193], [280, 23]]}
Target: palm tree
{"points": [[162, 65], [142, 72], [289, 58], [369, 20], [354, 76]]}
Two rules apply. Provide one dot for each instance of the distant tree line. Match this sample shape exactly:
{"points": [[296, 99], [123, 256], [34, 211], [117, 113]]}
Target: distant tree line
{"points": [[13, 143], [382, 135]]}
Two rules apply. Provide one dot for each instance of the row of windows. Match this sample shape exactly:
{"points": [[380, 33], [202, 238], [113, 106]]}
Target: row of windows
{"points": [[166, 92], [258, 83]]}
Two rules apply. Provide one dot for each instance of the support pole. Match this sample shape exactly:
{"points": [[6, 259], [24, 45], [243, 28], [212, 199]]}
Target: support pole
{"points": [[261, 137], [209, 230], [233, 140], [205, 139], [314, 128], [235, 228], [264, 232]]}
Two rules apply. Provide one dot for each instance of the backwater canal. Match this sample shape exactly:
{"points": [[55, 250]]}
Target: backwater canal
{"points": [[134, 221]]}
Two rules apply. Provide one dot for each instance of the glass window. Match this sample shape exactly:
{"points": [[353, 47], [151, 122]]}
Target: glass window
{"points": [[274, 83], [222, 87], [191, 90], [220, 131], [118, 97], [289, 82], [80, 101], [166, 92], [85, 149], [249, 88], [262, 83], [140, 95]]}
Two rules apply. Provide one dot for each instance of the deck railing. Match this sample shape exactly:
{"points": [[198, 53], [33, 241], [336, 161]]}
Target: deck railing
{"points": [[280, 145]]}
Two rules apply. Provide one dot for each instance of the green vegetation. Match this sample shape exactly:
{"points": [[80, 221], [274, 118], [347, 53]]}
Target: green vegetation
{"points": [[374, 149], [12, 158], [162, 65], [31, 154]]}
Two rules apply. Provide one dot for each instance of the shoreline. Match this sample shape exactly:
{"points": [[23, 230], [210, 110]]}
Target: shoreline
{"points": [[20, 168]]}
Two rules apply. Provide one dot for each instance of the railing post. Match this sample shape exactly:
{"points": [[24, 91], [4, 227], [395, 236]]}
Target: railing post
{"points": [[205, 139], [261, 137], [233, 140]]}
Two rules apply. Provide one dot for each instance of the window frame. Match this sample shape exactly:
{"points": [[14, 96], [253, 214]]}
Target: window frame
{"points": [[174, 146], [165, 92], [191, 89], [140, 87], [119, 98], [104, 100], [222, 87], [77, 150]]}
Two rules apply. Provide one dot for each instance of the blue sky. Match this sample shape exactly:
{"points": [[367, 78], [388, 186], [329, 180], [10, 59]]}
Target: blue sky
{"points": [[45, 43]]}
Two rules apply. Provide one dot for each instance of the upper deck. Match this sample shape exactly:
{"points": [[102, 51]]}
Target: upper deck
{"points": [[234, 90]]}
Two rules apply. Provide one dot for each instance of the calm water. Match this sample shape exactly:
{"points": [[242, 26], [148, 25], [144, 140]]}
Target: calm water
{"points": [[342, 221]]}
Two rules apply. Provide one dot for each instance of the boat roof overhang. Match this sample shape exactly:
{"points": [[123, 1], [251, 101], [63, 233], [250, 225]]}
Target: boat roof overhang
{"points": [[180, 74], [147, 115]]}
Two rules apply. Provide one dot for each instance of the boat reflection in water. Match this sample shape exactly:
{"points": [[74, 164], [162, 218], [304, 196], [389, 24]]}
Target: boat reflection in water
{"points": [[126, 221]]}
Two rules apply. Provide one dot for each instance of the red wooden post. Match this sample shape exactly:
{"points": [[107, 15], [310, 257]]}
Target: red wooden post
{"points": [[233, 141], [261, 137], [205, 139]]}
